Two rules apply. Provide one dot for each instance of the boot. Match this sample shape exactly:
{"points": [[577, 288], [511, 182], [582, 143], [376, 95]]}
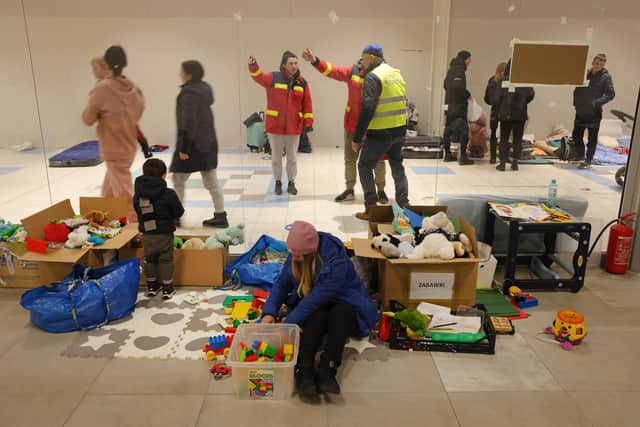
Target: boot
{"points": [[326, 378], [493, 153], [463, 160], [304, 376], [278, 189], [447, 152], [291, 188], [514, 165], [383, 198], [219, 220], [501, 167]]}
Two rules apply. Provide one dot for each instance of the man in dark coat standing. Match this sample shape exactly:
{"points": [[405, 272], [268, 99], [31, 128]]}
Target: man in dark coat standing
{"points": [[457, 100], [197, 145], [588, 102]]}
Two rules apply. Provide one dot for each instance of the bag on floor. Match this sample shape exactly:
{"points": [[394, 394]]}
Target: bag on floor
{"points": [[260, 266], [86, 299]]}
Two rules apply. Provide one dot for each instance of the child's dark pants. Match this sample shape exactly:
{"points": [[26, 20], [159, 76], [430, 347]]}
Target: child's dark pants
{"points": [[158, 260]]}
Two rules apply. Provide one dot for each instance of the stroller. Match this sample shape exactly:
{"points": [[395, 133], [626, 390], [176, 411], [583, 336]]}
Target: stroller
{"points": [[628, 120]]}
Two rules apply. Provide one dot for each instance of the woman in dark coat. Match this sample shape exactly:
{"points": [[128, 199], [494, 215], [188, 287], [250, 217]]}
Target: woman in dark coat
{"points": [[197, 145], [494, 85]]}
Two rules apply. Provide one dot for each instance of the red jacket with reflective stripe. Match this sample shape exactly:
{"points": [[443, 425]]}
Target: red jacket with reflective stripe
{"points": [[352, 76], [289, 107]]}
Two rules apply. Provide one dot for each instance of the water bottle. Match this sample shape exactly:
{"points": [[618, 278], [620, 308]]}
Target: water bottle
{"points": [[553, 194]]}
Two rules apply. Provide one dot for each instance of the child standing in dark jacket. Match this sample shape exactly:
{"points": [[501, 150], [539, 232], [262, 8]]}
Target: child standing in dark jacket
{"points": [[325, 297], [158, 209]]}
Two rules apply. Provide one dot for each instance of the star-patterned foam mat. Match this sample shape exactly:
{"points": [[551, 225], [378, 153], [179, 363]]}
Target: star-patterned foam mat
{"points": [[178, 329]]}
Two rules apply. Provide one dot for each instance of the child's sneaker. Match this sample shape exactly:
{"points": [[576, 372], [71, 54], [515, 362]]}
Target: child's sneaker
{"points": [[152, 289], [168, 293]]}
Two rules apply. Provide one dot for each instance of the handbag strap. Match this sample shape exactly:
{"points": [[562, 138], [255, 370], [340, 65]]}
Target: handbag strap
{"points": [[74, 312]]}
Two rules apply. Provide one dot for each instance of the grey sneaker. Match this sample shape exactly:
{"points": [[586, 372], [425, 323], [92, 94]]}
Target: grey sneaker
{"points": [[345, 196]]}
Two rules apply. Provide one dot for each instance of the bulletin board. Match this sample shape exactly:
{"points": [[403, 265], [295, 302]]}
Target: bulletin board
{"points": [[548, 63]]}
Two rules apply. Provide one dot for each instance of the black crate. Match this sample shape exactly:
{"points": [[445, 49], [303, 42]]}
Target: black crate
{"points": [[400, 341]]}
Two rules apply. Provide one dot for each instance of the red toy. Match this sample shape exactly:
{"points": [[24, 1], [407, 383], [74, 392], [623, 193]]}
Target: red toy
{"points": [[56, 233], [220, 371], [384, 329], [38, 246]]}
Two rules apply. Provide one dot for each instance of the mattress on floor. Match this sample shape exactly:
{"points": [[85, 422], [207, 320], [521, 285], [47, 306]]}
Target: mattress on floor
{"points": [[84, 154]]}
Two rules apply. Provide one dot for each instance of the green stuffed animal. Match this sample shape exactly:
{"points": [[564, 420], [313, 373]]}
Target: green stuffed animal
{"points": [[230, 236], [412, 319], [178, 242]]}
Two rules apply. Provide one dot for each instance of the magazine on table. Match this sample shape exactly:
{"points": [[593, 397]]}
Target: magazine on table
{"points": [[537, 212]]}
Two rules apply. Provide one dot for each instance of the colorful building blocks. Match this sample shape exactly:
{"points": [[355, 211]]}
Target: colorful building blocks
{"points": [[240, 310], [259, 293], [218, 342], [211, 355], [270, 351], [288, 349], [230, 300], [251, 358]]}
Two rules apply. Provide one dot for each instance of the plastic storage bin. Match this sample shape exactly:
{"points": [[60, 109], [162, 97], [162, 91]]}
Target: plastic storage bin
{"points": [[486, 267], [275, 377]]}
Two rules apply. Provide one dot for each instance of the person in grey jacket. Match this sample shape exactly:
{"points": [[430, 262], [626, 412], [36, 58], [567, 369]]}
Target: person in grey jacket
{"points": [[197, 145], [588, 102]]}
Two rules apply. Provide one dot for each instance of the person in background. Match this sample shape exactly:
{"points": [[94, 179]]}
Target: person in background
{"points": [[289, 111], [101, 71], [456, 98], [383, 118], [326, 298], [490, 93], [197, 144], [158, 209], [352, 75], [512, 114], [588, 102], [116, 104]]}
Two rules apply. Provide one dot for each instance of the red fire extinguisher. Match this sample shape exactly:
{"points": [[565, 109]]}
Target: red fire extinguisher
{"points": [[619, 246]]}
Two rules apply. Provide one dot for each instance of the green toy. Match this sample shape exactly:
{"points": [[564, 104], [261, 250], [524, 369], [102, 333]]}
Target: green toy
{"points": [[412, 319], [178, 242]]}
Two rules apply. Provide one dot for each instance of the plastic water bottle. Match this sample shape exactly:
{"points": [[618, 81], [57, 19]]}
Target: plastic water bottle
{"points": [[553, 194]]}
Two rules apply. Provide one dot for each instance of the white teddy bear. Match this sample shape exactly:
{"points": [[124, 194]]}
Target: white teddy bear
{"points": [[78, 237], [434, 245]]}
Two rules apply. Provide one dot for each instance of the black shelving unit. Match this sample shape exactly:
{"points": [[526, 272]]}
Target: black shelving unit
{"points": [[422, 147]]}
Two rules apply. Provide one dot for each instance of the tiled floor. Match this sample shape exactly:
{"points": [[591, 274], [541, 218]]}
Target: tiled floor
{"points": [[528, 382]]}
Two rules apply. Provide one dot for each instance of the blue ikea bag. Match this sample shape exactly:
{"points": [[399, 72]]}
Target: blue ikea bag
{"points": [[86, 299], [243, 272]]}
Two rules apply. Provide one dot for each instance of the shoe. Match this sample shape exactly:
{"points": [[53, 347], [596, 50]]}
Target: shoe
{"points": [[326, 381], [363, 215], [448, 157], [514, 165], [278, 190], [219, 220], [291, 188], [382, 198], [584, 165], [305, 377], [168, 293], [465, 161], [493, 160], [345, 196], [152, 290], [501, 167]]}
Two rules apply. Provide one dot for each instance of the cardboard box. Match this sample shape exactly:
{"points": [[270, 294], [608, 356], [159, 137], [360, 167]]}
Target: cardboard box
{"points": [[444, 282], [56, 264], [193, 267]]}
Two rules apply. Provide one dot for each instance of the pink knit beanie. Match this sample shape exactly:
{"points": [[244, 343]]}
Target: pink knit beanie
{"points": [[303, 238]]}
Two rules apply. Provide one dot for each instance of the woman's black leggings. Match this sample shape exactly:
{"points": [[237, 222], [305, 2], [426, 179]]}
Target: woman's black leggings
{"points": [[335, 320]]}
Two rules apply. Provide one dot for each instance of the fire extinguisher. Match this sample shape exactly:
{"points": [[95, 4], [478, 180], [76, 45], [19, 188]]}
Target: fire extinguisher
{"points": [[619, 245]]}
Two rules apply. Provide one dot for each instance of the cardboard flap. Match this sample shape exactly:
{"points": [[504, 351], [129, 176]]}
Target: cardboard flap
{"points": [[63, 255], [34, 224], [362, 247], [115, 208]]}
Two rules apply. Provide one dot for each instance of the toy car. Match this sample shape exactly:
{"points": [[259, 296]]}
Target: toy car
{"points": [[220, 371]]}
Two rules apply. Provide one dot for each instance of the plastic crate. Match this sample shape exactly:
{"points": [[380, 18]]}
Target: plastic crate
{"points": [[400, 341], [276, 377]]}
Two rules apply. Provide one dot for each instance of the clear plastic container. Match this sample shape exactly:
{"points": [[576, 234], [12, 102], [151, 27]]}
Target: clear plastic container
{"points": [[275, 378]]}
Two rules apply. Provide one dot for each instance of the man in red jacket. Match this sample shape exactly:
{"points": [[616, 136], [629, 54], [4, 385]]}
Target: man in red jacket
{"points": [[289, 111], [353, 76]]}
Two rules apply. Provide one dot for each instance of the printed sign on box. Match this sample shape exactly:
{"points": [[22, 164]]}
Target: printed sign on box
{"points": [[261, 382], [431, 285]]}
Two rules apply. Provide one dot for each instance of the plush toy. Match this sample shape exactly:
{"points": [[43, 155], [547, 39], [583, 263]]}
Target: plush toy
{"points": [[96, 240], [78, 237], [178, 242], [237, 234], [213, 243], [228, 237], [194, 243], [438, 221], [413, 320], [434, 245], [382, 242], [56, 233], [97, 219], [401, 222]]}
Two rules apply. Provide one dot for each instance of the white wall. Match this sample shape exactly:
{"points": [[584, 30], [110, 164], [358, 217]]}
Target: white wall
{"points": [[486, 28], [158, 35]]}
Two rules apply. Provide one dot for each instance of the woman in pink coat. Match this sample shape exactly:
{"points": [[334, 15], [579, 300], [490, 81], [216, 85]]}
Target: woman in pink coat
{"points": [[116, 104]]}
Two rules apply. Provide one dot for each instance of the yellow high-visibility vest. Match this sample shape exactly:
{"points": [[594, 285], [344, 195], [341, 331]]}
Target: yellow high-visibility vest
{"points": [[391, 111]]}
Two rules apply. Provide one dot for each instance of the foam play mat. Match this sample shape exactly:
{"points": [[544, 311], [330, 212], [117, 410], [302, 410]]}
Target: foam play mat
{"points": [[178, 329], [80, 155]]}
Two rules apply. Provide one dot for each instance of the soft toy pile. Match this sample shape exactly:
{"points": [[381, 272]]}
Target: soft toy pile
{"points": [[435, 239], [231, 236]]}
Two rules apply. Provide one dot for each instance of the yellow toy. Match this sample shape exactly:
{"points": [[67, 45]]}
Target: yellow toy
{"points": [[240, 310], [568, 328], [211, 356]]}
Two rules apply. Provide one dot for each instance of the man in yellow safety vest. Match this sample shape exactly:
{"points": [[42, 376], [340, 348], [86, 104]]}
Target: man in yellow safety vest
{"points": [[383, 118]]}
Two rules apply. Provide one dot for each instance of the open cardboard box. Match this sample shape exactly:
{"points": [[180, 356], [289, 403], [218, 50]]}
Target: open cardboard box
{"points": [[444, 282], [192, 267], [57, 263]]}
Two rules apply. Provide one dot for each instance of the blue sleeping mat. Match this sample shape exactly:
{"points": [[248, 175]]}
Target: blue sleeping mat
{"points": [[84, 154]]}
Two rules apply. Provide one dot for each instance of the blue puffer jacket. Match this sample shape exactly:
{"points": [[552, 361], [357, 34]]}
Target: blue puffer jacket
{"points": [[336, 281]]}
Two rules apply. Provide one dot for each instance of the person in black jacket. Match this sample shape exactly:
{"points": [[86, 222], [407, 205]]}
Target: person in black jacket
{"points": [[158, 209], [494, 85], [197, 145], [588, 102], [457, 100], [512, 114]]}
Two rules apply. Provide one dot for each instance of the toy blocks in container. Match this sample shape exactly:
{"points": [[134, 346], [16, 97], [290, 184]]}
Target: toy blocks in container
{"points": [[263, 358]]}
